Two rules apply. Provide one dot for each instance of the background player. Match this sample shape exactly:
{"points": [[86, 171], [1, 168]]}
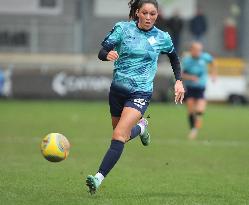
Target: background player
{"points": [[135, 47], [195, 75]]}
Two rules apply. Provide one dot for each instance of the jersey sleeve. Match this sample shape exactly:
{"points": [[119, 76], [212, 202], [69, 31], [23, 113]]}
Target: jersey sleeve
{"points": [[167, 46], [208, 58], [113, 38]]}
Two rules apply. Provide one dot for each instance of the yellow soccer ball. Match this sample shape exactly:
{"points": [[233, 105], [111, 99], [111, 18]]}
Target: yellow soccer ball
{"points": [[55, 147]]}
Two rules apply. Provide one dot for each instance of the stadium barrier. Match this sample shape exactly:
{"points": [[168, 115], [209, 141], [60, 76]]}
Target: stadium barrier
{"points": [[49, 76], [66, 84]]}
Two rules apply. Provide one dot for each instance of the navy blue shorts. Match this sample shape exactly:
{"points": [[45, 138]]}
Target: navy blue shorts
{"points": [[196, 93], [120, 98]]}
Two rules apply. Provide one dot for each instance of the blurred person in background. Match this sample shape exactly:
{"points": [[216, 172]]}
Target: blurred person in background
{"points": [[175, 24], [134, 47], [1, 82], [195, 76], [198, 25], [161, 22]]}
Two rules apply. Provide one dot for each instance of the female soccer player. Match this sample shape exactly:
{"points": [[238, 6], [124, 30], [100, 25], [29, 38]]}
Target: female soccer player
{"points": [[134, 46], [195, 73]]}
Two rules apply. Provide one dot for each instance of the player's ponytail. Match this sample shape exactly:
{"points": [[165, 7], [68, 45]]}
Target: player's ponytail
{"points": [[135, 5]]}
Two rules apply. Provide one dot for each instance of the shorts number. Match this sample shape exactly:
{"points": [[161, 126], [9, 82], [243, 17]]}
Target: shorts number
{"points": [[140, 102]]}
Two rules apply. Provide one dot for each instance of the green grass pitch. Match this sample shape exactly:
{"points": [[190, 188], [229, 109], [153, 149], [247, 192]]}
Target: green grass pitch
{"points": [[211, 170]]}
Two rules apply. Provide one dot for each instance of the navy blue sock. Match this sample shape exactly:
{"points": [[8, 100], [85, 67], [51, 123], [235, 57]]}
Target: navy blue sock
{"points": [[136, 130], [191, 119], [111, 157]]}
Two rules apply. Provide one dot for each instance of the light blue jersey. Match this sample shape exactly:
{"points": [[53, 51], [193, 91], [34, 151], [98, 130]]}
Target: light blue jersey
{"points": [[138, 54], [197, 67]]}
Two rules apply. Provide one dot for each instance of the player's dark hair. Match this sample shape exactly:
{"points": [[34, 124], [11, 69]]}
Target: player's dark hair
{"points": [[135, 5]]}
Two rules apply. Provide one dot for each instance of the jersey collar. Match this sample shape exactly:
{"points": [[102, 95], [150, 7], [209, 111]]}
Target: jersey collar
{"points": [[143, 29]]}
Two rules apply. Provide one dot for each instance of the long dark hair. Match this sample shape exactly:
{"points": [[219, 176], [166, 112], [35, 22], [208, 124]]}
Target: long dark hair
{"points": [[135, 5]]}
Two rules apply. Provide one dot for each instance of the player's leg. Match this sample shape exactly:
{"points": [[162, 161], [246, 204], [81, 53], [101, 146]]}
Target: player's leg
{"points": [[116, 103], [200, 109], [140, 101], [115, 121], [121, 134], [129, 118], [190, 102], [93, 182], [139, 129], [191, 106], [119, 98]]}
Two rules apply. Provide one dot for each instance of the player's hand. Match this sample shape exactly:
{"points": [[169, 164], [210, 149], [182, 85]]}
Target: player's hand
{"points": [[194, 78], [179, 91], [112, 56]]}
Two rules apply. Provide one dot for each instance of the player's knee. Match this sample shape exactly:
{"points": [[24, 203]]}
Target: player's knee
{"points": [[119, 135]]}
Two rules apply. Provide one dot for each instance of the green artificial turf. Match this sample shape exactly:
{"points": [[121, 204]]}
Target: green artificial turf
{"points": [[214, 169]]}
